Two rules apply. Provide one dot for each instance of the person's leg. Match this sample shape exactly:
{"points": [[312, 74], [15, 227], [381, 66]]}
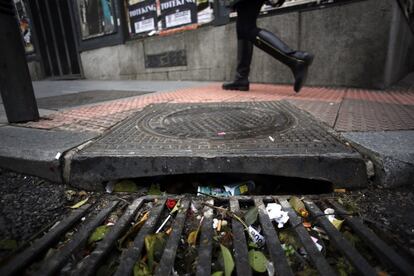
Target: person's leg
{"points": [[297, 61], [247, 13]]}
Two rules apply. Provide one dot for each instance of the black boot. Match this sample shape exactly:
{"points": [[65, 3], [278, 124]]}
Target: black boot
{"points": [[244, 58], [297, 61]]}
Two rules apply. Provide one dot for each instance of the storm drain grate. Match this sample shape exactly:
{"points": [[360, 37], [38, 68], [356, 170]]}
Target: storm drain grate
{"points": [[73, 254]]}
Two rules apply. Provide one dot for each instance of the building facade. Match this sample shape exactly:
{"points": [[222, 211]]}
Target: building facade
{"points": [[366, 44]]}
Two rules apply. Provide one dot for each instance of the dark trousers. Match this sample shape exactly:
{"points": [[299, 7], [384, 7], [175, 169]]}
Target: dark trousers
{"points": [[247, 13]]}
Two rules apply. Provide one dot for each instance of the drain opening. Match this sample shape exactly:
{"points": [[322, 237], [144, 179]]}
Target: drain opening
{"points": [[263, 184]]}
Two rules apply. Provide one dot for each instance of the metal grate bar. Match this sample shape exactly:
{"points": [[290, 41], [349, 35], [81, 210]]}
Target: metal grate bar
{"points": [[276, 252], [56, 262], [96, 258], [206, 245], [381, 249], [130, 257], [360, 264], [25, 258], [168, 257], [239, 242], [315, 255]]}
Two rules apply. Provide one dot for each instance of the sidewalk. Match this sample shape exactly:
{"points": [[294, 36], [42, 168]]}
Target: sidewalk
{"points": [[379, 124]]}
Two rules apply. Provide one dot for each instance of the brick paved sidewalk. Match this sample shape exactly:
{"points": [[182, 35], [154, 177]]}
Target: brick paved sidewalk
{"points": [[340, 108]]}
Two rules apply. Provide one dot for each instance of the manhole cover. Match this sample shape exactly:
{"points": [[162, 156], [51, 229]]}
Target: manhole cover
{"points": [[217, 122], [256, 137]]}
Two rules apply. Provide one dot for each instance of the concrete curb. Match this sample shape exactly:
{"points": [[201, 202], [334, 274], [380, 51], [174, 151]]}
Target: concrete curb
{"points": [[391, 152]]}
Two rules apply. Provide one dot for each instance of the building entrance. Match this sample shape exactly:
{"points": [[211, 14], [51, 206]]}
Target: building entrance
{"points": [[56, 40]]}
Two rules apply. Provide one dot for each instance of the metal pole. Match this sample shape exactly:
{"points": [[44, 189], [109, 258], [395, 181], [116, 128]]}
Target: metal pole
{"points": [[15, 83]]}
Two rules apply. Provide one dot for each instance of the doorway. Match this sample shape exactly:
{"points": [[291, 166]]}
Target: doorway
{"points": [[56, 40]]}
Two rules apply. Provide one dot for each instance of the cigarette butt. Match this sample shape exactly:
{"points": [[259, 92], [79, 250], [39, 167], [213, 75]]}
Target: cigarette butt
{"points": [[219, 226], [340, 190]]}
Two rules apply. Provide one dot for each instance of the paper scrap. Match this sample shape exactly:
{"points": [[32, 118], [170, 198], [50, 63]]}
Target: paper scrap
{"points": [[275, 213]]}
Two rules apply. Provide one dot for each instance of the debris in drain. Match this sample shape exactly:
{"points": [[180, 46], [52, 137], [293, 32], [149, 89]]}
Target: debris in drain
{"points": [[79, 204], [173, 206], [298, 206], [204, 235], [330, 214], [274, 211], [126, 186], [154, 189], [228, 190], [240, 188]]}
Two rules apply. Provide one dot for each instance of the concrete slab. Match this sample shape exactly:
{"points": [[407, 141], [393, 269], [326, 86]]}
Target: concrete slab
{"points": [[85, 98], [54, 88], [272, 138], [34, 151], [392, 153]]}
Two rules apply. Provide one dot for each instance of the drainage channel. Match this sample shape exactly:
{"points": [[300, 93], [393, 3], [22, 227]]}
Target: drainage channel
{"points": [[145, 236]]}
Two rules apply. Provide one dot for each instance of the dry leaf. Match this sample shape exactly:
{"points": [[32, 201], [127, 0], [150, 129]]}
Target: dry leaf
{"points": [[79, 204]]}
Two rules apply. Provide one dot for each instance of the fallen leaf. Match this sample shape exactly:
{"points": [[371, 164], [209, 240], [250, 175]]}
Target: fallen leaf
{"points": [[251, 216], [228, 260], [218, 273], [134, 229], [154, 245], [298, 206], [79, 204], [192, 238], [125, 185], [8, 244], [99, 233], [257, 261], [288, 237], [141, 269], [154, 189]]}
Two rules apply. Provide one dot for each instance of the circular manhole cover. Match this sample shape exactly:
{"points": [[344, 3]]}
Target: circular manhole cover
{"points": [[217, 122]]}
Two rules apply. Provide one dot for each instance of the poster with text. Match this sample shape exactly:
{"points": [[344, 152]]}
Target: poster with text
{"points": [[143, 16], [176, 13]]}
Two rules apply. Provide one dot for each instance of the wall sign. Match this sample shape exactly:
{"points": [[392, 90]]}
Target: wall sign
{"points": [[175, 13], [143, 16]]}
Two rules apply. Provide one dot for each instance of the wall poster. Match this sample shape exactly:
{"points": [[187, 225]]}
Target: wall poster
{"points": [[25, 26], [175, 13], [96, 17], [142, 16]]}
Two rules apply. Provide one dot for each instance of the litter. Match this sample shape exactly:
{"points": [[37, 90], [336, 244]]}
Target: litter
{"points": [[271, 138], [331, 217], [228, 190], [315, 240], [275, 213], [298, 206], [240, 188], [213, 191], [256, 237]]}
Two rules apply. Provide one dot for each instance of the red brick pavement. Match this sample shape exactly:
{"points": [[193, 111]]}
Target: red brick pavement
{"points": [[343, 109]]}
